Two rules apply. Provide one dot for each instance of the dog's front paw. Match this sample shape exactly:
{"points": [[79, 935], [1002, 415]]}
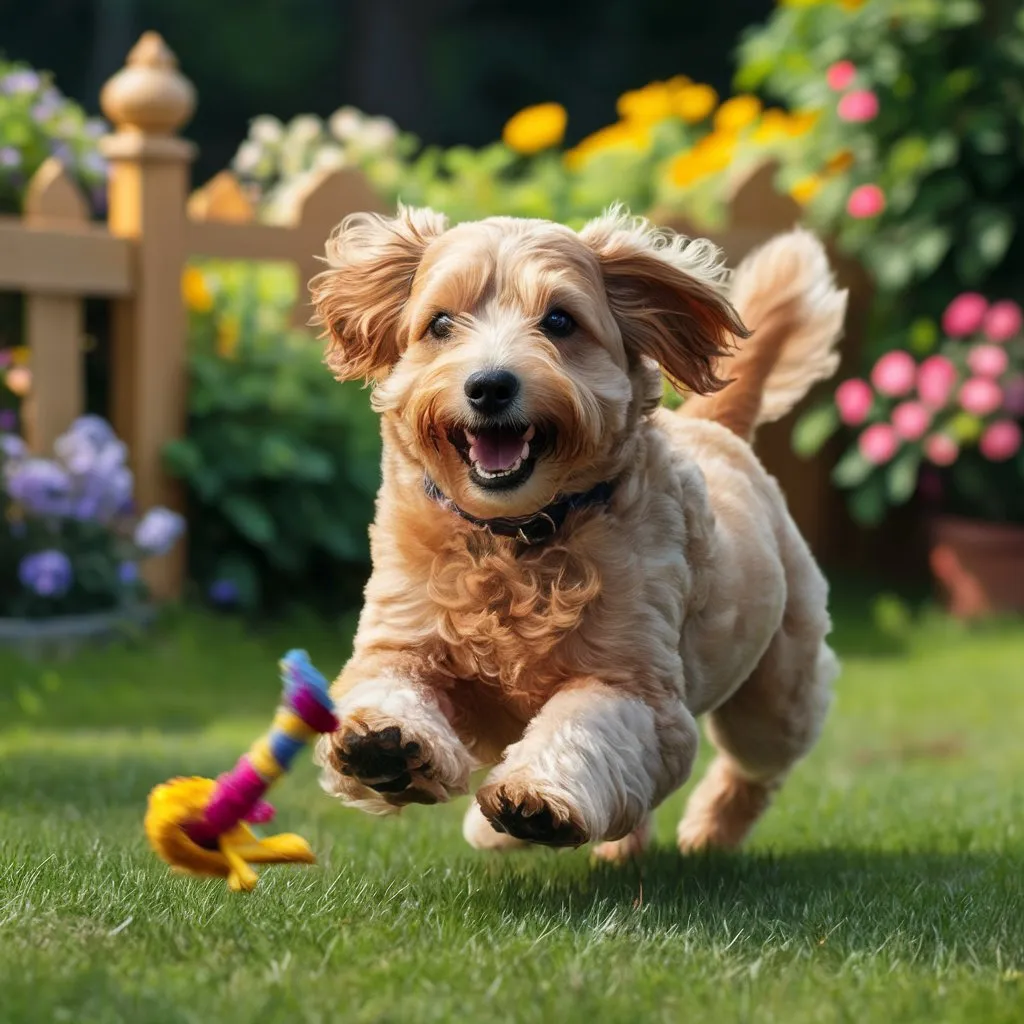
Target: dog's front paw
{"points": [[521, 809], [396, 761]]}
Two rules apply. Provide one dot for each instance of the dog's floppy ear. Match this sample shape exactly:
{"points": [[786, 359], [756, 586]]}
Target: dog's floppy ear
{"points": [[667, 294], [371, 262]]}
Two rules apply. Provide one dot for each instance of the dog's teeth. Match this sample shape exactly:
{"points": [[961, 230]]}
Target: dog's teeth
{"points": [[526, 450]]}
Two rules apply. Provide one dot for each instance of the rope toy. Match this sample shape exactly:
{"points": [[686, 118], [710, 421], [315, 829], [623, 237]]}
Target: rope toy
{"points": [[199, 826]]}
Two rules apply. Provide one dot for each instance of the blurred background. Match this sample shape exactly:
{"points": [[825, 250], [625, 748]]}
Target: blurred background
{"points": [[894, 128]]}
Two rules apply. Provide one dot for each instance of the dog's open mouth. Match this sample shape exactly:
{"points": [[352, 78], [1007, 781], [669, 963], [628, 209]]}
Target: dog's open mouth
{"points": [[502, 457]]}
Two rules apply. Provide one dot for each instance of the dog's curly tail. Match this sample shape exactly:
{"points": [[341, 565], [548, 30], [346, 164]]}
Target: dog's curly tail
{"points": [[785, 292]]}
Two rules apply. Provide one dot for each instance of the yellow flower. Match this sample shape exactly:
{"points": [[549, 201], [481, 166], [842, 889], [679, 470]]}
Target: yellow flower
{"points": [[535, 128], [194, 291], [802, 121], [648, 105], [693, 103], [774, 125], [737, 113], [806, 189], [227, 337], [621, 135], [20, 355], [709, 155], [851, 5], [840, 161]]}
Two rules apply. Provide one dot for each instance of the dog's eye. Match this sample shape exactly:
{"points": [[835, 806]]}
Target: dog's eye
{"points": [[441, 326], [558, 324]]}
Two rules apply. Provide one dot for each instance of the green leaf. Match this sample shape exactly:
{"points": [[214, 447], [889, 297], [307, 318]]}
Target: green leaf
{"points": [[867, 504], [892, 265], [814, 428], [250, 518], [852, 469], [990, 231], [924, 335], [901, 475], [930, 246]]}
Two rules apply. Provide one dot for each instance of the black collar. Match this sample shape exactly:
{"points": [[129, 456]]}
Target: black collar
{"points": [[532, 529]]}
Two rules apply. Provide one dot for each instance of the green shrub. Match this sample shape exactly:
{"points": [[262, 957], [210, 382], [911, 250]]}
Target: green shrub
{"points": [[281, 462], [37, 121]]}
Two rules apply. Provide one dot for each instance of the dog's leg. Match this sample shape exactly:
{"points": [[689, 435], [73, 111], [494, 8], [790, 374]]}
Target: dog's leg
{"points": [[590, 766], [760, 732], [619, 851], [394, 746]]}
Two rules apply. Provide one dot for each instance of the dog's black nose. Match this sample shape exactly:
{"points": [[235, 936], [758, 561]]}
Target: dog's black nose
{"points": [[491, 391]]}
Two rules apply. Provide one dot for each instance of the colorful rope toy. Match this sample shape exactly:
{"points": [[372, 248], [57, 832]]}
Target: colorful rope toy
{"points": [[199, 826]]}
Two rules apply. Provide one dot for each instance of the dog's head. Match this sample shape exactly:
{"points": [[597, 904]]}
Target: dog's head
{"points": [[513, 357]]}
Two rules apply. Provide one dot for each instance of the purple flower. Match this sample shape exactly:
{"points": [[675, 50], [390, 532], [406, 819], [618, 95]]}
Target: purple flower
{"points": [[45, 109], [128, 573], [158, 530], [62, 151], [19, 82], [41, 486], [6, 357], [223, 592], [94, 164], [12, 446], [9, 157], [8, 420], [46, 573], [90, 445], [95, 128]]}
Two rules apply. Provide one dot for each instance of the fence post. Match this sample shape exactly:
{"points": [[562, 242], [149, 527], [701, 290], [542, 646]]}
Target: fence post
{"points": [[54, 323], [148, 101]]}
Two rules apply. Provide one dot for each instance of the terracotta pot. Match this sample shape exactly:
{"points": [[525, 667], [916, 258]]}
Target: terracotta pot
{"points": [[979, 565]]}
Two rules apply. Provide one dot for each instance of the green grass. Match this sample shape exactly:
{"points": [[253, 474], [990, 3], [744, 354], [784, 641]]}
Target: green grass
{"points": [[887, 883]]}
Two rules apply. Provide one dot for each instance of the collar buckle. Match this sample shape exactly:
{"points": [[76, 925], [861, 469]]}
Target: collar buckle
{"points": [[541, 527]]}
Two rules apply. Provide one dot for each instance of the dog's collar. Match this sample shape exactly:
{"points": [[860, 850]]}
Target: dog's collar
{"points": [[529, 530]]}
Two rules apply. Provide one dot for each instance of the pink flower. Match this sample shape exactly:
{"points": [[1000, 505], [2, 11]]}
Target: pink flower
{"points": [[865, 201], [1013, 396], [841, 75], [910, 420], [964, 315], [878, 443], [941, 450], [1003, 320], [853, 400], [1001, 441], [936, 378], [988, 360], [893, 375], [860, 105], [979, 396]]}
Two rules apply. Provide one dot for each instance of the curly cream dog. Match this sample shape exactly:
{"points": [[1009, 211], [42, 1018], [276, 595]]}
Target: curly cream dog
{"points": [[566, 575]]}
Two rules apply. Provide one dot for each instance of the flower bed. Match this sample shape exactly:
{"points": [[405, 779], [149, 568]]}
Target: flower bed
{"points": [[72, 543]]}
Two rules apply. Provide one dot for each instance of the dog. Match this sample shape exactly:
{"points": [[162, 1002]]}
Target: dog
{"points": [[566, 574]]}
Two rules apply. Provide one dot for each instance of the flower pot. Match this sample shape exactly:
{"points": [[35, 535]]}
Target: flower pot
{"points": [[65, 635], [979, 565]]}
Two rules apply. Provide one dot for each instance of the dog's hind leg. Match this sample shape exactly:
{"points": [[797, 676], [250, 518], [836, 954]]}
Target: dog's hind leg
{"points": [[761, 732]]}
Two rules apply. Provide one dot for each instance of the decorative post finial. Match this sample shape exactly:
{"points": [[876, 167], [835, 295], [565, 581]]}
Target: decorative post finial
{"points": [[149, 94]]}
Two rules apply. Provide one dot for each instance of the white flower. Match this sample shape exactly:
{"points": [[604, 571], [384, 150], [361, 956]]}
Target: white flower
{"points": [[248, 158], [346, 123], [304, 129], [266, 130], [378, 135], [330, 158]]}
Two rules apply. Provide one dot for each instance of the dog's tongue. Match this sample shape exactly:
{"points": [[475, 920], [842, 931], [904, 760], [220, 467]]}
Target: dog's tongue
{"points": [[496, 450]]}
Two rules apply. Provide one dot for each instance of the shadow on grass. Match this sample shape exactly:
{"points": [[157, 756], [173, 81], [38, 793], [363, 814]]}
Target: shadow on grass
{"points": [[922, 904]]}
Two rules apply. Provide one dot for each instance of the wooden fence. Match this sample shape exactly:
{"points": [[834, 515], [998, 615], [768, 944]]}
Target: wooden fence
{"points": [[57, 258]]}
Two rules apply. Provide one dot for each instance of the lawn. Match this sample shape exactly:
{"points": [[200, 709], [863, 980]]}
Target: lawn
{"points": [[887, 884]]}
